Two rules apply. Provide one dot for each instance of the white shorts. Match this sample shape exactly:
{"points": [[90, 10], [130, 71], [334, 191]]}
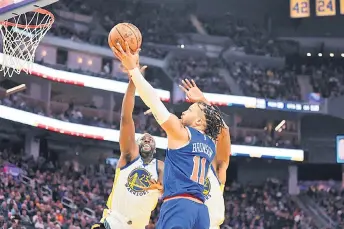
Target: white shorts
{"points": [[117, 221], [217, 227]]}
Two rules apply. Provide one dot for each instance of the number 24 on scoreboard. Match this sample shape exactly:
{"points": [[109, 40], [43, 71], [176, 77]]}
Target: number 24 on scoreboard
{"points": [[325, 7], [299, 8]]}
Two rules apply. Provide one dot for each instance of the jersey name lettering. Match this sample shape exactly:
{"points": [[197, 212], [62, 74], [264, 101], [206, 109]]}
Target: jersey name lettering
{"points": [[202, 148], [135, 192]]}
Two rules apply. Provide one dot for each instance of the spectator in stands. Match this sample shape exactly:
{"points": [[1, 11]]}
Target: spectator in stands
{"points": [[247, 206], [205, 71], [265, 82]]}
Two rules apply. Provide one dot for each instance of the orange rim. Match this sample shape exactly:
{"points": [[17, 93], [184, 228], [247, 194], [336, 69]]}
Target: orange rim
{"points": [[39, 10]]}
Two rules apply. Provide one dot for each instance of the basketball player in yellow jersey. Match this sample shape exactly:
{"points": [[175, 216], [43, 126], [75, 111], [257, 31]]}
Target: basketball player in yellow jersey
{"points": [[216, 178], [131, 200]]}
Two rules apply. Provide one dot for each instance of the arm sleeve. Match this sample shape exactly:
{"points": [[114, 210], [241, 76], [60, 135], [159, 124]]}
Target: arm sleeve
{"points": [[149, 96]]}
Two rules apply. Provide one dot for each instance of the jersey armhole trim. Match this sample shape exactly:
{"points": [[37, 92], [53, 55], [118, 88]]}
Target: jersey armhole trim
{"points": [[130, 163], [187, 143], [157, 167]]}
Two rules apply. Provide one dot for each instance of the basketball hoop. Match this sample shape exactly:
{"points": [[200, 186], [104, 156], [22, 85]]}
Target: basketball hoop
{"points": [[20, 38]]}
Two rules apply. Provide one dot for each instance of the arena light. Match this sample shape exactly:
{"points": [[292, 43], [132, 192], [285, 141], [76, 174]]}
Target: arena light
{"points": [[331, 55], [320, 54], [111, 135], [182, 46], [44, 53], [79, 60], [342, 54], [309, 54]]}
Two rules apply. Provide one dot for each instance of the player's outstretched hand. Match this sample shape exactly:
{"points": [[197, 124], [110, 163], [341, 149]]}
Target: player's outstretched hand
{"points": [[154, 185], [193, 93], [98, 226], [128, 59]]}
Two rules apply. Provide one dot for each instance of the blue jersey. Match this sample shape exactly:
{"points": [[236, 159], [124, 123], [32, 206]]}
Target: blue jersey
{"points": [[186, 168]]}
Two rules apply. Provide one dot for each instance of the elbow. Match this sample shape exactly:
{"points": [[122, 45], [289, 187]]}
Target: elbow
{"points": [[222, 165]]}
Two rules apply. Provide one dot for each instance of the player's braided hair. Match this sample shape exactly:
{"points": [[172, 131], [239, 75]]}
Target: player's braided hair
{"points": [[214, 121]]}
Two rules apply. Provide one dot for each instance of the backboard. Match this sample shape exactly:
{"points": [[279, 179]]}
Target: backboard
{"points": [[12, 8]]}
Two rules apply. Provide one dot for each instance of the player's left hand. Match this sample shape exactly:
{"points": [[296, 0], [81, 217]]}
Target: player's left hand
{"points": [[98, 226], [154, 185], [128, 60], [193, 93]]}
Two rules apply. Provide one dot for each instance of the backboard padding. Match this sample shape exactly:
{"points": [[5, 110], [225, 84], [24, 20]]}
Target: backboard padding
{"points": [[12, 8]]}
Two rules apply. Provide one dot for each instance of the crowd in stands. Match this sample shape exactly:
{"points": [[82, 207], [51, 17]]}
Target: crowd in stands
{"points": [[247, 206], [48, 195], [262, 82], [262, 206], [156, 28], [326, 78], [155, 19], [331, 199], [246, 36], [258, 207], [205, 71]]}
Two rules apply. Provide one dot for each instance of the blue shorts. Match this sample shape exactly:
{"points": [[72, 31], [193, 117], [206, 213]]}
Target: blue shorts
{"points": [[183, 214]]}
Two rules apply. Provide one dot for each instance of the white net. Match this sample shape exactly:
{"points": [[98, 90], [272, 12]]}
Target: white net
{"points": [[20, 38]]}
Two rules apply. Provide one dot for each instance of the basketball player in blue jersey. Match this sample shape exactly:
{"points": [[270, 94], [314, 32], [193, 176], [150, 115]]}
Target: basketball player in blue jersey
{"points": [[216, 178], [191, 149], [130, 202]]}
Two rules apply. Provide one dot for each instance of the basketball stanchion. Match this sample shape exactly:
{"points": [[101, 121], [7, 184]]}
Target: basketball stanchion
{"points": [[15, 89]]}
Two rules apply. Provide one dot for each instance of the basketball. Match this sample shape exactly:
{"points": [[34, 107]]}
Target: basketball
{"points": [[125, 32]]}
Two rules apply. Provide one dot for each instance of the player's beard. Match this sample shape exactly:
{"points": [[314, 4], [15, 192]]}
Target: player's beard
{"points": [[146, 152]]}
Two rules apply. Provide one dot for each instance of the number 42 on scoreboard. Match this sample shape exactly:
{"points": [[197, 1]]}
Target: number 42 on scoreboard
{"points": [[299, 8]]}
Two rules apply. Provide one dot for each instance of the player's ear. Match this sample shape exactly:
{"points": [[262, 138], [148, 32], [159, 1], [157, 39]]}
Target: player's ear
{"points": [[199, 121]]}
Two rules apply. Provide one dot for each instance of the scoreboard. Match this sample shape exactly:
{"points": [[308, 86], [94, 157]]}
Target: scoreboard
{"points": [[301, 8]]}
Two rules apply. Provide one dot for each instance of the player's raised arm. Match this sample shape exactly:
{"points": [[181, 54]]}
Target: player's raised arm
{"points": [[127, 128], [223, 144], [127, 139], [169, 122], [223, 152]]}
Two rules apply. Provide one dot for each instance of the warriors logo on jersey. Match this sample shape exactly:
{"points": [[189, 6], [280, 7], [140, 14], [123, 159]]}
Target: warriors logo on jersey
{"points": [[207, 188], [137, 181]]}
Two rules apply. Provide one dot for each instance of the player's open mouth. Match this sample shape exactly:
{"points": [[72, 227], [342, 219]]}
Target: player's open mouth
{"points": [[146, 147]]}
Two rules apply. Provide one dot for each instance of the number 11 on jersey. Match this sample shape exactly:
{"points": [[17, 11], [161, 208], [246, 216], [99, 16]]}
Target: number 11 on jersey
{"points": [[198, 170]]}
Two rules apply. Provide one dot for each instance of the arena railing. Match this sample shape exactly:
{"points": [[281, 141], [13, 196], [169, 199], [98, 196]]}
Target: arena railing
{"points": [[111, 135]]}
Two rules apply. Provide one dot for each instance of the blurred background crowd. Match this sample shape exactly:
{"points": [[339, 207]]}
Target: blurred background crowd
{"points": [[226, 54], [72, 195], [244, 37]]}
